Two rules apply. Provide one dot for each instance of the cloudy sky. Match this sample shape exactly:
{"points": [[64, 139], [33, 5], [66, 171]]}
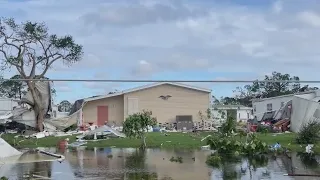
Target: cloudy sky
{"points": [[178, 39]]}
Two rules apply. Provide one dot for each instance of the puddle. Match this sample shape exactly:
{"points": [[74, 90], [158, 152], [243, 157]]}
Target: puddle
{"points": [[112, 163]]}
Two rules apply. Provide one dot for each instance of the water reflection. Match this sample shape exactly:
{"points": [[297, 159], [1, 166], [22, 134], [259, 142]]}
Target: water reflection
{"points": [[131, 164]]}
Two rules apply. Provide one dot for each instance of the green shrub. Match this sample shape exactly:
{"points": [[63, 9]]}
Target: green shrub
{"points": [[229, 125], [254, 146], [263, 129], [214, 160], [242, 133], [224, 144], [309, 133], [230, 145]]}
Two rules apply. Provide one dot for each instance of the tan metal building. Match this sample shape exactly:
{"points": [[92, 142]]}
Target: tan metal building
{"points": [[165, 100]]}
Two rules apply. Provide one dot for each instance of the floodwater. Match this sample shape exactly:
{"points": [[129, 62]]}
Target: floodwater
{"points": [[131, 164]]}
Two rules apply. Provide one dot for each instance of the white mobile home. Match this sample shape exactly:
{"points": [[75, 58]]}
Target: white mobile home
{"points": [[261, 106], [7, 105], [299, 108]]}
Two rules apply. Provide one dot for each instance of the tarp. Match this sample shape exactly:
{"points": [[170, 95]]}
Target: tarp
{"points": [[43, 90], [106, 128], [6, 150]]}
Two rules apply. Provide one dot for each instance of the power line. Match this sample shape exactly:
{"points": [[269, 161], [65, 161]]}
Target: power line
{"points": [[153, 81]]}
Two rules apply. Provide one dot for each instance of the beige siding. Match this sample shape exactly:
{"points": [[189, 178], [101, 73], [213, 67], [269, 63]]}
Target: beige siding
{"points": [[115, 110], [184, 101]]}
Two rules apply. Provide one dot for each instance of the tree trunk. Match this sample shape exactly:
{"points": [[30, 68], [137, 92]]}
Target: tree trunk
{"points": [[39, 114], [144, 144], [38, 106]]}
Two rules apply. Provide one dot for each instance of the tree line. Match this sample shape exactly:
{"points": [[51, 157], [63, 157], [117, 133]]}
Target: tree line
{"points": [[244, 95]]}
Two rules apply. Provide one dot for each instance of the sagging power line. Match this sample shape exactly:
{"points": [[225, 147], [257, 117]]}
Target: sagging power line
{"points": [[154, 81]]}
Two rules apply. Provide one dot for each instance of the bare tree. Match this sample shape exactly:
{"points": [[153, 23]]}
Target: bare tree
{"points": [[31, 50]]}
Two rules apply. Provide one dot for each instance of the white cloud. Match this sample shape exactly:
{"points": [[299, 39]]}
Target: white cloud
{"points": [[310, 18], [61, 86], [277, 6], [138, 39], [100, 88], [143, 68]]}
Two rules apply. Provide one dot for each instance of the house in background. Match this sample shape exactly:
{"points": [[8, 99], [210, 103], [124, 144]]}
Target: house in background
{"points": [[220, 112], [7, 105], [165, 100], [55, 113]]}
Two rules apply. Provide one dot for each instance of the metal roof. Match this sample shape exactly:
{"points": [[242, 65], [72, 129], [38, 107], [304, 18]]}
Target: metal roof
{"points": [[287, 95], [149, 86], [233, 106]]}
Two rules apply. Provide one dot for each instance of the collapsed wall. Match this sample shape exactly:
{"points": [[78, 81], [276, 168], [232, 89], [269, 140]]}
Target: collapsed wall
{"points": [[63, 122], [304, 111]]}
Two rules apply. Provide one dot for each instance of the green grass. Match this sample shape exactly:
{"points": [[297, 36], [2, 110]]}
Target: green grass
{"points": [[154, 140], [173, 140]]}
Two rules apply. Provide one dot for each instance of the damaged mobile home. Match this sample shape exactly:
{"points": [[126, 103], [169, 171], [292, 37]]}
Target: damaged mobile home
{"points": [[293, 110], [22, 112]]}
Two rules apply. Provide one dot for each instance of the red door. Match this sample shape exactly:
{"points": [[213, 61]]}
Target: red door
{"points": [[102, 115]]}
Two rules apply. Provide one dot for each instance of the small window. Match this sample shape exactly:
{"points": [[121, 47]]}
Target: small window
{"points": [[282, 104], [248, 115], [239, 115], [269, 107], [254, 108]]}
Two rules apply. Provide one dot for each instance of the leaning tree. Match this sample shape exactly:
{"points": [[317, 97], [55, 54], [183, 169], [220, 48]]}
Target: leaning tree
{"points": [[32, 50]]}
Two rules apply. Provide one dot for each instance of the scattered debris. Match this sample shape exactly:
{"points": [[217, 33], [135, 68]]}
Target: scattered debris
{"points": [[275, 147], [178, 159], [309, 148], [309, 175], [207, 147], [205, 138], [77, 143]]}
